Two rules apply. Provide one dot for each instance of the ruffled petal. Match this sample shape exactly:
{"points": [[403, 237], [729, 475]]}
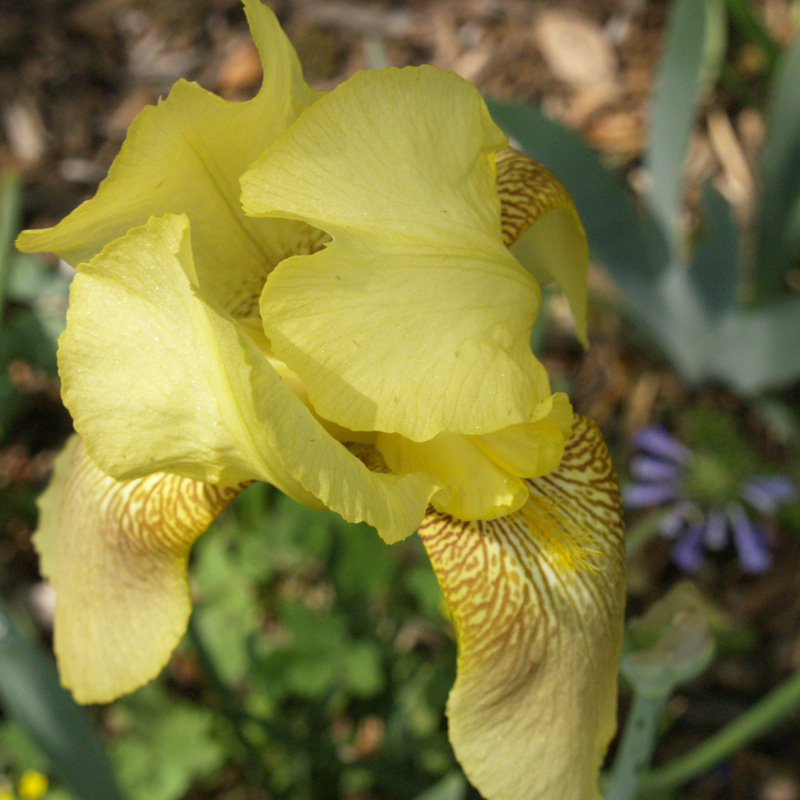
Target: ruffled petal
{"points": [[186, 155], [542, 228], [159, 379], [532, 448], [116, 554], [416, 319], [537, 599], [471, 485]]}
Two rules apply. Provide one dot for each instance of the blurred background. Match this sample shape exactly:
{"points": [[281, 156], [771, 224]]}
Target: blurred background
{"points": [[319, 660]]}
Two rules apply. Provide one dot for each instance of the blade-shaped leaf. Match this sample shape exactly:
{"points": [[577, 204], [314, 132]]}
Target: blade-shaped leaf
{"points": [[31, 693], [714, 269], [692, 56], [759, 348], [748, 349], [778, 244], [9, 226]]}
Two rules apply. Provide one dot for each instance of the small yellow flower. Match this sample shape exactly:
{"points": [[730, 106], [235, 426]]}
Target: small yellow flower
{"points": [[32, 785], [334, 293]]}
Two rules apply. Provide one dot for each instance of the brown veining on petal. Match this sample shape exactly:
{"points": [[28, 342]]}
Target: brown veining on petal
{"points": [[300, 239], [527, 189], [159, 513], [537, 599], [116, 553]]}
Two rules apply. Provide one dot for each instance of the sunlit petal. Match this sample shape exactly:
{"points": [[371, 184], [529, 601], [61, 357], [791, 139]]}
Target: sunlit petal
{"points": [[532, 448], [416, 319], [116, 554], [186, 155], [537, 601], [179, 386], [471, 485]]}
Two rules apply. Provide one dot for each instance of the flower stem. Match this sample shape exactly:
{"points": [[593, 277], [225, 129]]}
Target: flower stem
{"points": [[757, 720], [636, 748]]}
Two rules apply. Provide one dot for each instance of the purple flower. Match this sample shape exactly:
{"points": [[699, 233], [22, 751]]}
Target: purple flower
{"points": [[715, 535], [645, 468], [644, 495], [750, 541], [662, 469], [687, 552], [659, 442], [767, 492]]}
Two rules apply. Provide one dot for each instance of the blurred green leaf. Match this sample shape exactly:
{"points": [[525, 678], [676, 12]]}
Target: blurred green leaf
{"points": [[421, 583], [18, 751], [363, 668], [362, 564], [165, 746], [778, 243], [743, 16], [626, 242], [32, 278], [452, 787], [714, 269], [671, 643], [758, 348], [10, 187], [31, 693], [694, 47], [44, 289], [24, 337]]}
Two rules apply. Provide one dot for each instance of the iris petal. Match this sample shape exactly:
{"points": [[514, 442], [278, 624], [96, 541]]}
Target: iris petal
{"points": [[543, 230], [537, 600], [416, 319], [117, 554], [186, 155], [179, 386]]}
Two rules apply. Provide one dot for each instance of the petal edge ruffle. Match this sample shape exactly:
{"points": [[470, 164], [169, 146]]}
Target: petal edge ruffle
{"points": [[409, 198], [185, 155]]}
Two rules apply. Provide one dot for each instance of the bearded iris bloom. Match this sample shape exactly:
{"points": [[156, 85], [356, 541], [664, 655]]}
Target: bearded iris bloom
{"points": [[334, 293]]}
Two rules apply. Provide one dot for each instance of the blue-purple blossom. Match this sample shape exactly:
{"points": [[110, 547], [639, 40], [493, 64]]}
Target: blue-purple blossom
{"points": [[662, 470]]}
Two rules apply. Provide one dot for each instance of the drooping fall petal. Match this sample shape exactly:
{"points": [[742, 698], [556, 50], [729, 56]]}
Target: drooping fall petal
{"points": [[537, 601], [416, 319], [542, 228], [116, 554], [179, 386], [186, 155]]}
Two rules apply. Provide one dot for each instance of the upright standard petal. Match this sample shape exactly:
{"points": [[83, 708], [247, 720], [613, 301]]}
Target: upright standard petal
{"points": [[186, 155], [537, 599], [116, 554], [416, 319], [179, 386]]}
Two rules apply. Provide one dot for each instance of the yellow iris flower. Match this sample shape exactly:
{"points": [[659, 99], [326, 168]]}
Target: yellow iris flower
{"points": [[334, 293]]}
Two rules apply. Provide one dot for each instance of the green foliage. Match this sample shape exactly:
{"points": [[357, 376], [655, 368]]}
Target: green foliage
{"points": [[691, 63], [33, 299], [673, 642], [30, 694], [328, 656], [695, 299], [163, 744]]}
